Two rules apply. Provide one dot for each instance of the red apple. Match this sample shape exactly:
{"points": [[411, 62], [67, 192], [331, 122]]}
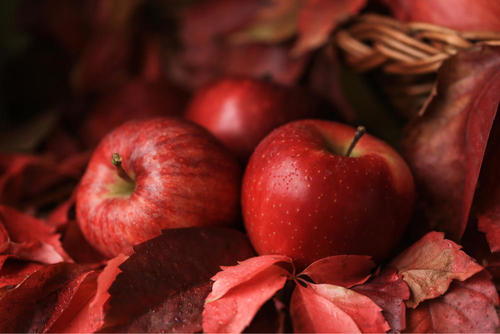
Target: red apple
{"points": [[137, 99], [303, 197], [168, 173], [240, 112]]}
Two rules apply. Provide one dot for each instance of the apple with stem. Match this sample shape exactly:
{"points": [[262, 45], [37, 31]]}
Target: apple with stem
{"points": [[149, 175], [316, 188], [242, 111]]}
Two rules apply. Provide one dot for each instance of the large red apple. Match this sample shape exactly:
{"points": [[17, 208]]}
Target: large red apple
{"points": [[241, 111], [302, 196], [154, 174]]}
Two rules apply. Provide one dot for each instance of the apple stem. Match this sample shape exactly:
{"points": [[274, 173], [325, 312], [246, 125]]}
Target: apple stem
{"points": [[116, 160], [360, 131]]}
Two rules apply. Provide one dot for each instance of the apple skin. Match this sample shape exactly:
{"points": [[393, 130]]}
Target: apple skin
{"points": [[242, 111], [183, 177], [303, 198], [137, 99]]}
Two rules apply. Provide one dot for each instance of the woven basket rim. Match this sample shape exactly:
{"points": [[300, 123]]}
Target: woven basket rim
{"points": [[372, 41]]}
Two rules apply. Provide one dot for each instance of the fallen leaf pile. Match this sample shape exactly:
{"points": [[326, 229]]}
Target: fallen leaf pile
{"points": [[442, 278]]}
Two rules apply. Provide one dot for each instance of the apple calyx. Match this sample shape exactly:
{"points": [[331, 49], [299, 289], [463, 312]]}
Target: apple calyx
{"points": [[360, 131], [127, 186]]}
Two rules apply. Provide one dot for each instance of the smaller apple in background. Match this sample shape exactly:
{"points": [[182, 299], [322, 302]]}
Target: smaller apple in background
{"points": [[137, 99], [307, 195], [145, 95], [242, 111], [149, 175]]}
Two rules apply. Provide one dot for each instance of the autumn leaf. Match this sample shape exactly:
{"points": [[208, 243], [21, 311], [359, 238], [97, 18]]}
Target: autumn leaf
{"points": [[324, 308], [208, 53], [239, 292], [467, 307], [14, 272], [445, 145], [90, 317], [487, 200], [430, 265], [25, 237], [318, 18], [49, 294], [30, 181], [342, 270], [389, 291], [163, 285], [464, 15], [273, 23]]}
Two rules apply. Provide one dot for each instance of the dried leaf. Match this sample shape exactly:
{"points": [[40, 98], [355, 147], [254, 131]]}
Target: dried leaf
{"points": [[389, 291], [240, 291], [324, 308], [317, 18], [445, 146], [165, 279], [430, 265], [467, 307]]}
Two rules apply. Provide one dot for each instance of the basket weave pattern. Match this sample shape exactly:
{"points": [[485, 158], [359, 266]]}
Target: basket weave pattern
{"points": [[373, 41], [408, 54]]}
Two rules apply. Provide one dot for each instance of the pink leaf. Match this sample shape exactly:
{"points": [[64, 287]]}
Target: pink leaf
{"points": [[430, 264], [239, 292], [30, 238], [233, 276], [343, 270], [324, 308], [467, 307]]}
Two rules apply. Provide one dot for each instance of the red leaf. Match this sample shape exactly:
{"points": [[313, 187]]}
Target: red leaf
{"points": [[14, 272], [343, 270], [208, 54], [164, 284], [90, 318], [465, 15], [487, 200], [45, 296], [317, 18], [467, 307], [30, 182], [29, 238], [324, 308], [239, 292], [445, 145], [60, 215], [429, 266], [389, 291], [233, 276]]}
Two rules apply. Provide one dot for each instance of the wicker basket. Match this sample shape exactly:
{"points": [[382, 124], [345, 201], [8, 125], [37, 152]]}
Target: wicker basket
{"points": [[407, 54]]}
